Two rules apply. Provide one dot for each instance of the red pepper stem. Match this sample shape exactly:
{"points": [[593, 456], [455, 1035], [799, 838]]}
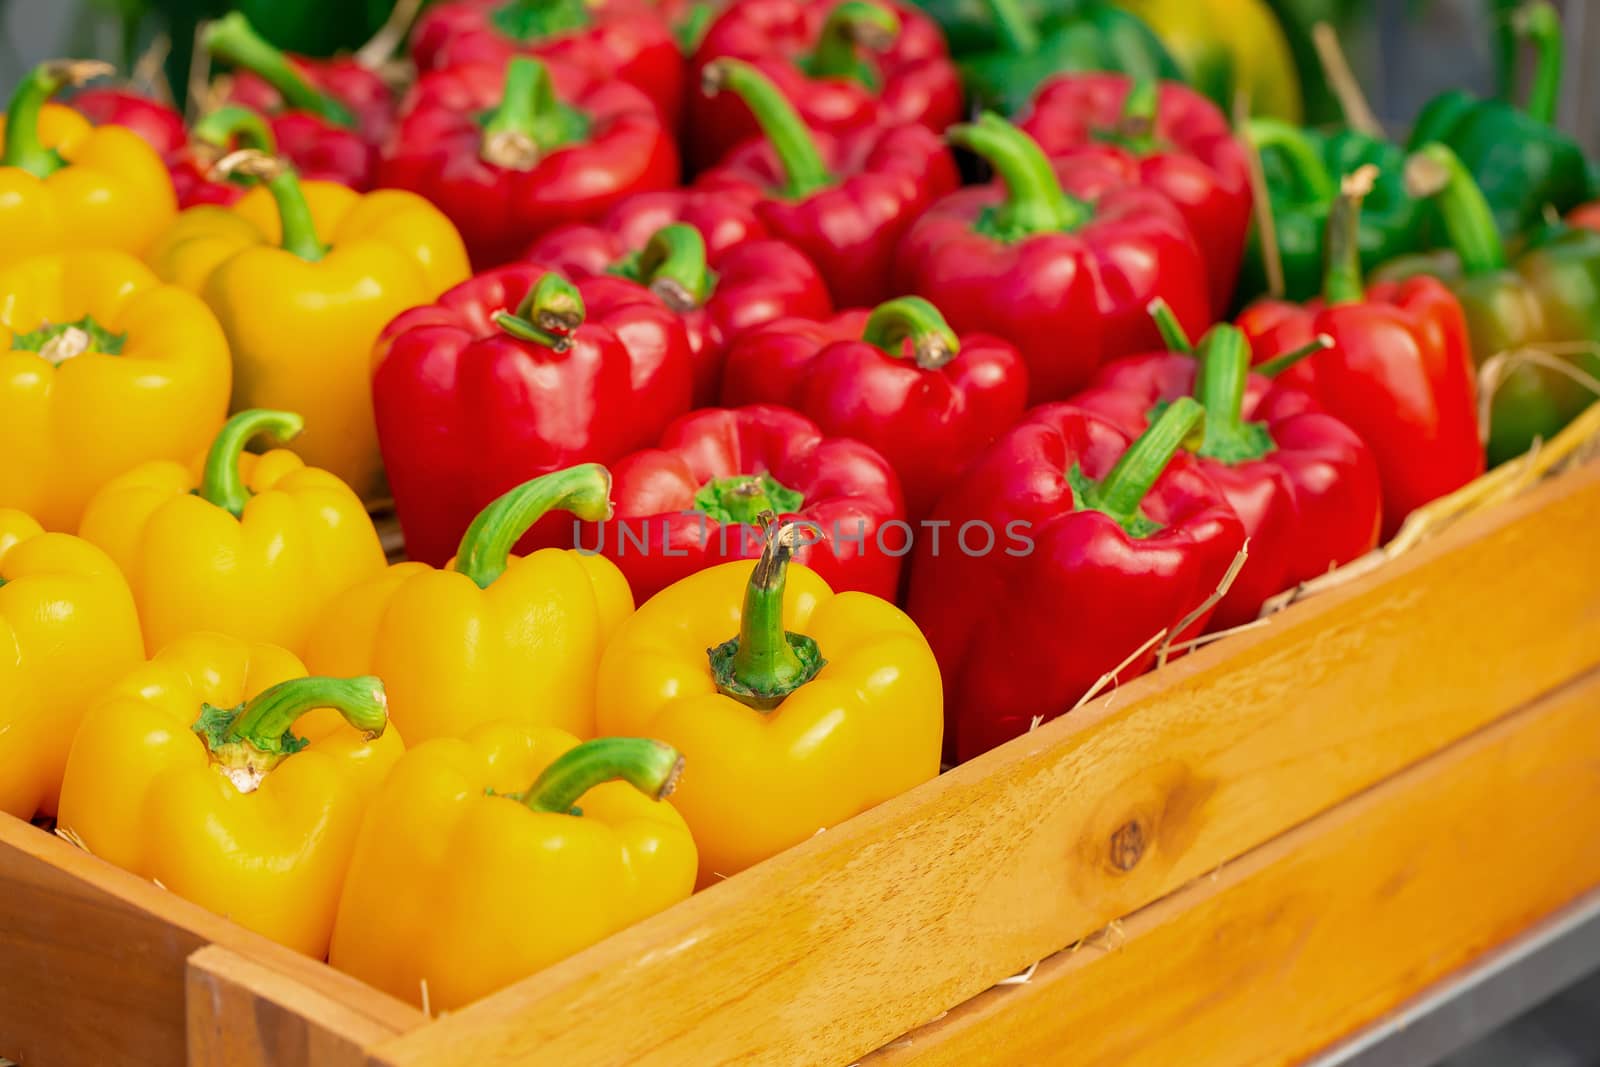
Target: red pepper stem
{"points": [[765, 663], [651, 767], [23, 148], [233, 40], [1542, 24], [531, 20], [221, 483], [1305, 164], [1121, 492], [485, 551], [232, 125], [1035, 201], [1282, 362], [1434, 170], [1220, 380], [911, 318], [1017, 33], [1136, 125], [848, 26], [673, 265], [549, 314], [803, 169], [1173, 335], [529, 119], [272, 712], [1342, 281]]}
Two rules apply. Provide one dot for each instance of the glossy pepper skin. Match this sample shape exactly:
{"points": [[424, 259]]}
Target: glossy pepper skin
{"points": [[557, 147], [66, 184], [842, 63], [160, 126], [896, 378], [1226, 47], [1060, 262], [795, 707], [1178, 143], [102, 367], [718, 297], [490, 636], [1302, 169], [628, 40], [68, 628], [1083, 547], [522, 845], [254, 547], [693, 500], [514, 374], [325, 137], [1302, 482], [221, 771], [303, 278], [844, 200], [1518, 157], [1399, 372], [1541, 299]]}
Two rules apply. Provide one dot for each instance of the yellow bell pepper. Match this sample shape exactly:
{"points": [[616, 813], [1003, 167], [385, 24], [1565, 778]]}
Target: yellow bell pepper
{"points": [[466, 879], [254, 547], [818, 707], [67, 184], [67, 630], [303, 278], [102, 368], [1225, 46], [221, 771], [491, 636]]}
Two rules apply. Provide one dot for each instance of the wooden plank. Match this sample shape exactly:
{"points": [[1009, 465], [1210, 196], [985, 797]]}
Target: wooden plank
{"points": [[1324, 929], [94, 958], [838, 946]]}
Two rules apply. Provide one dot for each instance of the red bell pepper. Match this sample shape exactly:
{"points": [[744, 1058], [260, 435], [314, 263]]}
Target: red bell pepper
{"points": [[897, 378], [556, 147], [1061, 262], [1399, 372], [718, 298], [513, 374], [843, 64], [322, 135], [161, 126], [693, 501], [1063, 550], [1178, 143], [1302, 482], [845, 200], [724, 222], [608, 39], [1585, 215]]}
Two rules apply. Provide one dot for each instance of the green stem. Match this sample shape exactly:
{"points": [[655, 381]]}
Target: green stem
{"points": [[232, 125], [744, 498], [485, 551], [692, 27], [58, 342], [1017, 33], [1542, 24], [651, 767], [23, 148], [1120, 494], [911, 318], [803, 169], [1342, 281], [294, 215], [672, 264], [850, 25], [233, 40], [1035, 202], [1219, 386], [221, 483], [1283, 361], [1305, 162], [530, 120], [1137, 124], [252, 738], [531, 20], [549, 315], [1435, 171], [765, 663], [1172, 332]]}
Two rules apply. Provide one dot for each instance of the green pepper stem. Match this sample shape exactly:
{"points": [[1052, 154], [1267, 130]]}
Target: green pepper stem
{"points": [[233, 40], [232, 125], [1220, 380], [1173, 335], [294, 212], [1542, 24], [530, 20], [651, 767], [672, 264], [1017, 33], [1436, 171], [849, 26], [911, 318], [1342, 281], [1305, 163], [1035, 201], [744, 498], [803, 169], [549, 314], [1284, 360], [485, 551], [528, 120], [23, 149], [221, 483], [765, 663], [271, 713], [1120, 493]]}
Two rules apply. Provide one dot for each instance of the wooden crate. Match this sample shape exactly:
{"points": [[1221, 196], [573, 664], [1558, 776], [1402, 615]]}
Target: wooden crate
{"points": [[1240, 858]]}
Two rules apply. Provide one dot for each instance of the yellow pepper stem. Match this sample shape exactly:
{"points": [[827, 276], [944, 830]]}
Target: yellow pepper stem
{"points": [[294, 212], [651, 767], [765, 663], [584, 490], [248, 740], [221, 484], [549, 315], [22, 146]]}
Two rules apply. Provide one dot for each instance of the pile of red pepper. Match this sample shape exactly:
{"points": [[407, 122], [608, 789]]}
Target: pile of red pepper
{"points": [[747, 278]]}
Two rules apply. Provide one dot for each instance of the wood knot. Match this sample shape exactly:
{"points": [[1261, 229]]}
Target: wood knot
{"points": [[1127, 845]]}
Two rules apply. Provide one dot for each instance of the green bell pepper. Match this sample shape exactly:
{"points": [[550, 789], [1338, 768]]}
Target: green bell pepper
{"points": [[1542, 300]]}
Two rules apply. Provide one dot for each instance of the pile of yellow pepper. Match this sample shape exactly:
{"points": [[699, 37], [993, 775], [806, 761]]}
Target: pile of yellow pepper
{"points": [[210, 676]]}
